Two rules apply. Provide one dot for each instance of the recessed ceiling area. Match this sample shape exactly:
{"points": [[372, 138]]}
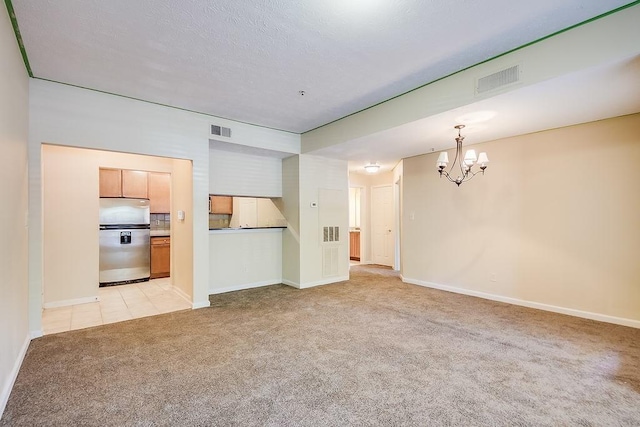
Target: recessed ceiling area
{"points": [[596, 93], [248, 61]]}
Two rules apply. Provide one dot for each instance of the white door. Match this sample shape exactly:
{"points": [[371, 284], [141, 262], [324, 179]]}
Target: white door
{"points": [[382, 225]]}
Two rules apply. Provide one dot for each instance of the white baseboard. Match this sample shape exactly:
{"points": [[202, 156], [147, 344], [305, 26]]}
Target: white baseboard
{"points": [[201, 304], [8, 385], [68, 302], [245, 286], [290, 283], [531, 304], [324, 282]]}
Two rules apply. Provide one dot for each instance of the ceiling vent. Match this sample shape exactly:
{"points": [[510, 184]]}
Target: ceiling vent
{"points": [[220, 131], [497, 80]]}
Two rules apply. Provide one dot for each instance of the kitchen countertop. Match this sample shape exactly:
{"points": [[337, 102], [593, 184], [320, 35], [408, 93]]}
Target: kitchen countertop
{"points": [[245, 229], [160, 233]]}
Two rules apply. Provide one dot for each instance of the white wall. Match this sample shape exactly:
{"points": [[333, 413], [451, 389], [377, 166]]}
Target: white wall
{"points": [[611, 38], [67, 115], [241, 174], [324, 181], [554, 222], [14, 327], [243, 259], [289, 206]]}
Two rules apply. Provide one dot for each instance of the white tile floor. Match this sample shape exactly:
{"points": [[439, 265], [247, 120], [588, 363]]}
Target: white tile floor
{"points": [[116, 304]]}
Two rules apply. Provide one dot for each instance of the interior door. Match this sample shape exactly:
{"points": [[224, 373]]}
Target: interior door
{"points": [[382, 225]]}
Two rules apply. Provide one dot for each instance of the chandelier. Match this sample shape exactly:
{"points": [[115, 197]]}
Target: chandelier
{"points": [[466, 164]]}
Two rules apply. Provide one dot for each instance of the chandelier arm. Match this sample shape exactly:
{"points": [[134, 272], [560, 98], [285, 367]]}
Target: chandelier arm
{"points": [[446, 175], [466, 170]]}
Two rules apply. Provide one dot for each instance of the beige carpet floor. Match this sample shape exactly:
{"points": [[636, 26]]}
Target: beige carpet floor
{"points": [[371, 351]]}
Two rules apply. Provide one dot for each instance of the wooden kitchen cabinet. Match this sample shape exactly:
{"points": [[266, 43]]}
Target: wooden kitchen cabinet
{"points": [[221, 205], [354, 245], [110, 182], [160, 257], [134, 184], [160, 192], [123, 183]]}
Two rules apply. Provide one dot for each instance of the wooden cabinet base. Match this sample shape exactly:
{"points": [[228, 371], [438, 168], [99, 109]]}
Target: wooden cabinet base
{"points": [[160, 257]]}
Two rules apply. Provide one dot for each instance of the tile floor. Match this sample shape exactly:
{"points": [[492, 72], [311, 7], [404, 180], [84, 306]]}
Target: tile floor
{"points": [[116, 304]]}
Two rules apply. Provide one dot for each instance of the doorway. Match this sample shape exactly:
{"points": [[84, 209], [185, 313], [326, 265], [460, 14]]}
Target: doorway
{"points": [[70, 216], [355, 222], [382, 225]]}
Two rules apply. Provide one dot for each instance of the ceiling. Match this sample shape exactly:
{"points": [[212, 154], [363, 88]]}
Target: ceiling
{"points": [[248, 60], [554, 103]]}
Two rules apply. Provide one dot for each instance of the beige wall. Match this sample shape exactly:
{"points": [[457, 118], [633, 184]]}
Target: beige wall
{"points": [[14, 92], [555, 219], [182, 231], [70, 200]]}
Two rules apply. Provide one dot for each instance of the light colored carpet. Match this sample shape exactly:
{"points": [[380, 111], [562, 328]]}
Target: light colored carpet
{"points": [[371, 351]]}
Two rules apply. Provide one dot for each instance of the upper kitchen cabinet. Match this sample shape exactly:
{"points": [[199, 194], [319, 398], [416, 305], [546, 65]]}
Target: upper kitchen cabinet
{"points": [[221, 205], [135, 184], [110, 183], [160, 192], [123, 183]]}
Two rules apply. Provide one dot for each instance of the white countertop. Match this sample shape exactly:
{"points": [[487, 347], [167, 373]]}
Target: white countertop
{"points": [[246, 230]]}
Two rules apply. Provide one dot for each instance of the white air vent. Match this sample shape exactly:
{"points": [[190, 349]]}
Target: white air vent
{"points": [[330, 261], [330, 234], [220, 131], [496, 80]]}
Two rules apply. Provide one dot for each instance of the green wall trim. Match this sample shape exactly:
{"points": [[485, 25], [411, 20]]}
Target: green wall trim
{"points": [[595, 18], [16, 30]]}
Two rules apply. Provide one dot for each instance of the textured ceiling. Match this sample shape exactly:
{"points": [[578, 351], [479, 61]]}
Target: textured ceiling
{"points": [[247, 60]]}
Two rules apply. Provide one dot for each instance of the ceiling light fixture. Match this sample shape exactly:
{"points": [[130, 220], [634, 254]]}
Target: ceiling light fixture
{"points": [[372, 167], [466, 163]]}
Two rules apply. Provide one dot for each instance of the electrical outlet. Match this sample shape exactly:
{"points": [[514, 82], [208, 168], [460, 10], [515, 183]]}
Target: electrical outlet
{"points": [[493, 277]]}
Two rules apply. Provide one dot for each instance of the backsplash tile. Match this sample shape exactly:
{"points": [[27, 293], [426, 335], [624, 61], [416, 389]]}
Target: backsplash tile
{"points": [[160, 222]]}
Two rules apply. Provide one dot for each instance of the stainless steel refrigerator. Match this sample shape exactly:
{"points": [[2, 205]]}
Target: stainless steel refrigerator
{"points": [[124, 241]]}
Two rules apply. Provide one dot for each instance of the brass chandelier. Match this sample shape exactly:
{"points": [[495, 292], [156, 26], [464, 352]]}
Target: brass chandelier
{"points": [[466, 163]]}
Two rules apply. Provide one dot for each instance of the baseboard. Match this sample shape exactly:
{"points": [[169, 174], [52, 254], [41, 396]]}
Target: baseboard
{"points": [[68, 302], [531, 304], [13, 375], [201, 304], [245, 286], [324, 282], [290, 283]]}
